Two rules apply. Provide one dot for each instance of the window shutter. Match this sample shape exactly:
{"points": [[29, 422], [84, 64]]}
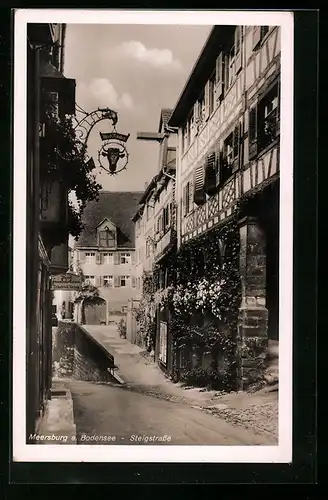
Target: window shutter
{"points": [[98, 258], [196, 112], [101, 281], [116, 258], [98, 280], [199, 185], [236, 147], [256, 36], [133, 282], [184, 201], [238, 48], [219, 76], [210, 174], [133, 257], [252, 132], [207, 100], [190, 197], [116, 281]]}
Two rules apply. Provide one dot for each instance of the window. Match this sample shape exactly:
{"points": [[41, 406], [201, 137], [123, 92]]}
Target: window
{"points": [[125, 281], [259, 33], [264, 31], [108, 281], [212, 93], [231, 63], [268, 118], [90, 280], [166, 217], [106, 238], [201, 104], [124, 309], [231, 154], [187, 200], [90, 257], [108, 258], [125, 258]]}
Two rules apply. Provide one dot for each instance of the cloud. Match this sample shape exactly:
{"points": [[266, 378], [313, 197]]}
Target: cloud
{"points": [[159, 58], [102, 92]]}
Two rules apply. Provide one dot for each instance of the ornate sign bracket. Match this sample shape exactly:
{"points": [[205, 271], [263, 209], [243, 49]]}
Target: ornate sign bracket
{"points": [[113, 148]]}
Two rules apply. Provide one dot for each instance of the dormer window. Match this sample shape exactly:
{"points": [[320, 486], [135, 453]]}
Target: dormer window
{"points": [[107, 238]]}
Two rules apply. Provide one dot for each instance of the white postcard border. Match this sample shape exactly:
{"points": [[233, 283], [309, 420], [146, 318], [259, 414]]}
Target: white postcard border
{"points": [[134, 453]]}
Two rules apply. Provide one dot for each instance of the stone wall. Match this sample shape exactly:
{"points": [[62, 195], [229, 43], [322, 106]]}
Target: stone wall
{"points": [[76, 354]]}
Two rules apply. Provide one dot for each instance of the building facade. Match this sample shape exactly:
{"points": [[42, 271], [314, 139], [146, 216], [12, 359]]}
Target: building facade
{"points": [[220, 284], [228, 152], [46, 215], [105, 255], [155, 224]]}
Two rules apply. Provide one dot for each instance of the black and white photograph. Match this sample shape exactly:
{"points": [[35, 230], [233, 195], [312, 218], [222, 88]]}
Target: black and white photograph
{"points": [[153, 236]]}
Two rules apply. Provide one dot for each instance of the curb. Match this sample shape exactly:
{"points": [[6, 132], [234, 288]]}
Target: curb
{"points": [[58, 421]]}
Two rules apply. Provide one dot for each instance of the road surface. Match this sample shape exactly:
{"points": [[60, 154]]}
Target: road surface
{"points": [[103, 413]]}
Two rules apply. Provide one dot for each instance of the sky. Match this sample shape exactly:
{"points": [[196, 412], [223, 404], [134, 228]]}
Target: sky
{"points": [[135, 70]]}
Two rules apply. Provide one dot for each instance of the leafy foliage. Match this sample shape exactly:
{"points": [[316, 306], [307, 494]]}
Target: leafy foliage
{"points": [[63, 158]]}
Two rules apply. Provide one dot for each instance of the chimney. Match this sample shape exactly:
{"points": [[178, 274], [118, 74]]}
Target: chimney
{"points": [[146, 185]]}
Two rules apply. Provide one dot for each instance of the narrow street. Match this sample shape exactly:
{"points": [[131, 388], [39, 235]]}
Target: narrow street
{"points": [[147, 405], [101, 410]]}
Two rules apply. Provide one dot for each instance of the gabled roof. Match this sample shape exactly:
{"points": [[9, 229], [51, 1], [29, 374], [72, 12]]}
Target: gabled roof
{"points": [[164, 118], [106, 219], [119, 207]]}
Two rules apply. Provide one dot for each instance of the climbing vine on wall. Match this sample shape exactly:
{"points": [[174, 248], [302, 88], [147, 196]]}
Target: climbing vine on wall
{"points": [[204, 300]]}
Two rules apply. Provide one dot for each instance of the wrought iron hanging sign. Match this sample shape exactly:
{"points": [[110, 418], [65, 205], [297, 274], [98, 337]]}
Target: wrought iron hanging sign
{"points": [[114, 151]]}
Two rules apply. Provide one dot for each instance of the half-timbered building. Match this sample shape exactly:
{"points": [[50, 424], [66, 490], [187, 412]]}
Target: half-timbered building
{"points": [[227, 153]]}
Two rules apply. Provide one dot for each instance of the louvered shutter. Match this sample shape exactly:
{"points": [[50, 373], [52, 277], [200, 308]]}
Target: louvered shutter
{"points": [[116, 258], [101, 281], [210, 174], [236, 139], [98, 258], [256, 36], [252, 132], [133, 258], [219, 76], [98, 280], [116, 281], [199, 185]]}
